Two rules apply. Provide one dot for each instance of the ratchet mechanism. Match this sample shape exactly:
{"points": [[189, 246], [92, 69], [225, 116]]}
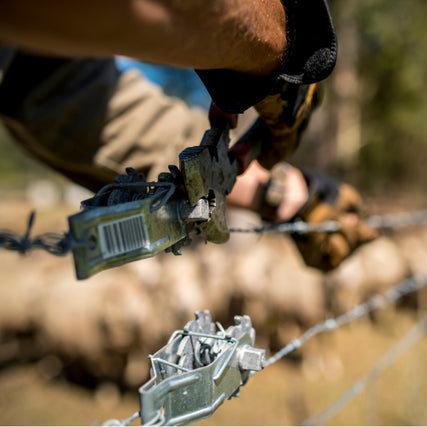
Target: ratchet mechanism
{"points": [[133, 219], [198, 370]]}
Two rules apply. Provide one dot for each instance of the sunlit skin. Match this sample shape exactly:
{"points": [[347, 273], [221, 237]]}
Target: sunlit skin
{"points": [[241, 35], [249, 189]]}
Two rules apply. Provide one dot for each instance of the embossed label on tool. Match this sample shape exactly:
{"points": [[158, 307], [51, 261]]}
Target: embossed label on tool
{"points": [[122, 236]]}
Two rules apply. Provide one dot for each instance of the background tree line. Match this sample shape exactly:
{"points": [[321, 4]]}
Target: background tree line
{"points": [[373, 128]]}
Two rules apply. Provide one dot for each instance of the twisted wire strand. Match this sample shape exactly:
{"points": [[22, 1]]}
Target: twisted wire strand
{"points": [[54, 243], [125, 422], [404, 344], [60, 244], [405, 287], [398, 220]]}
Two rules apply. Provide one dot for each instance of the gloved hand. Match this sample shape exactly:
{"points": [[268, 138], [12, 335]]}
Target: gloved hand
{"points": [[285, 99], [328, 200], [309, 57], [285, 114]]}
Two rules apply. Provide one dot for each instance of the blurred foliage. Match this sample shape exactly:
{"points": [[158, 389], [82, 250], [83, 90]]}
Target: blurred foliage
{"points": [[12, 162], [392, 73], [17, 168]]}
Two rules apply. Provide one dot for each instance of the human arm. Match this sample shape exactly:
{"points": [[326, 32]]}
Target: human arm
{"points": [[243, 49], [288, 194], [89, 122], [249, 189], [241, 35]]}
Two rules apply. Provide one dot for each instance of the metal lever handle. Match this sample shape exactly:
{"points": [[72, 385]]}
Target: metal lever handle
{"points": [[198, 370]]}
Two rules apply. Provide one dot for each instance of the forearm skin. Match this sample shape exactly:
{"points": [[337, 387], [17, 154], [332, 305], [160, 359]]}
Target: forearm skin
{"points": [[241, 35]]}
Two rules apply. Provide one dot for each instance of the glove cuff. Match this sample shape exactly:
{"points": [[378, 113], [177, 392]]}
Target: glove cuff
{"points": [[311, 50], [310, 57]]}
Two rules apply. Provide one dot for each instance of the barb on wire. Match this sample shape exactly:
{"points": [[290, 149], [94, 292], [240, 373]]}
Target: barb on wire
{"points": [[399, 220], [298, 226], [125, 422], [404, 344], [392, 295], [403, 288], [61, 244], [56, 244]]}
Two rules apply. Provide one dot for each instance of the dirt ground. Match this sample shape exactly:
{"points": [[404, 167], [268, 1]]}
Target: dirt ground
{"points": [[33, 390], [283, 394]]}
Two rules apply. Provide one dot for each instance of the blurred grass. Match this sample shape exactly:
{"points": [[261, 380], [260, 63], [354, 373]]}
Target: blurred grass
{"points": [[17, 169], [391, 161], [283, 394], [287, 394]]}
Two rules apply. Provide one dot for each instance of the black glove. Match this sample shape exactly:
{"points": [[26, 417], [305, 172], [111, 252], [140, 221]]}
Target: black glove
{"points": [[310, 57]]}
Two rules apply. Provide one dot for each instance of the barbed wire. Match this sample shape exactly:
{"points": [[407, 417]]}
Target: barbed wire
{"points": [[397, 220], [403, 288], [60, 244], [404, 344], [124, 422], [54, 243]]}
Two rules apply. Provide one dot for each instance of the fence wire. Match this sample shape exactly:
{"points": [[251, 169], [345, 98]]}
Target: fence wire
{"points": [[412, 284], [392, 295], [397, 220], [60, 244], [403, 345], [54, 243]]}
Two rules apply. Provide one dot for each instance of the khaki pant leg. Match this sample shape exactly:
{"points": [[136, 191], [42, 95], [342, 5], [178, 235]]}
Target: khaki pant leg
{"points": [[146, 129], [90, 123]]}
